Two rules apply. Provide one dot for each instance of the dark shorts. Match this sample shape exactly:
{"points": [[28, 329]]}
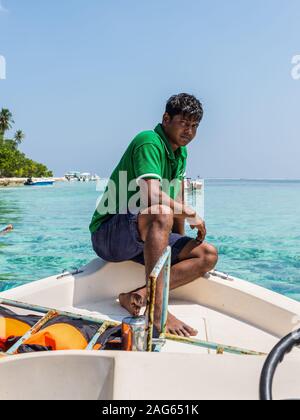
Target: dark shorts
{"points": [[118, 240]]}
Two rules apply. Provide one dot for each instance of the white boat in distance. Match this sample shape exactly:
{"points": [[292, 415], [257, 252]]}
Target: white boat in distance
{"points": [[193, 185], [81, 177], [225, 310]]}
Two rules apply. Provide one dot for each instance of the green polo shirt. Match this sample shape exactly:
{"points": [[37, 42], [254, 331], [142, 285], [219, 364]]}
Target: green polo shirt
{"points": [[149, 156]]}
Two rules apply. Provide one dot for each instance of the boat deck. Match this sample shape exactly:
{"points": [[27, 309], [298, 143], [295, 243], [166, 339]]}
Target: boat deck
{"points": [[211, 325]]}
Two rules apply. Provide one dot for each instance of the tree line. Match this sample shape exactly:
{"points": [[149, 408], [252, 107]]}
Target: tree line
{"points": [[14, 163]]}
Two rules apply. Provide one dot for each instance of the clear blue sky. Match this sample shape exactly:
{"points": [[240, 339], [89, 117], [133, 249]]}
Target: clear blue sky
{"points": [[83, 77]]}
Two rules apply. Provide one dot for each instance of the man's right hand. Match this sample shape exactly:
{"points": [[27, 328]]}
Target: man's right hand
{"points": [[196, 222]]}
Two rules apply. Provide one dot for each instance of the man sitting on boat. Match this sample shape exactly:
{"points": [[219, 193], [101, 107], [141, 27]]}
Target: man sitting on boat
{"points": [[138, 227]]}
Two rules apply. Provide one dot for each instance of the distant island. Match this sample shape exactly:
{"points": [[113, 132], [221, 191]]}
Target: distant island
{"points": [[13, 163]]}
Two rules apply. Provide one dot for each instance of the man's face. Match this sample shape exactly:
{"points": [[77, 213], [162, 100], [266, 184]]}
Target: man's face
{"points": [[180, 130]]}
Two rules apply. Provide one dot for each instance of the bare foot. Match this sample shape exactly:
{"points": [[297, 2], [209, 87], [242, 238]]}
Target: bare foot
{"points": [[176, 327], [133, 301]]}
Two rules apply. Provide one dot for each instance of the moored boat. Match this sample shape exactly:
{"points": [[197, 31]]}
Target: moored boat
{"points": [[37, 183], [193, 185], [72, 176]]}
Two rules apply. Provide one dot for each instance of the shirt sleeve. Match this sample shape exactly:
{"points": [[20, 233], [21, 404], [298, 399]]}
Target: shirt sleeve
{"points": [[147, 162]]}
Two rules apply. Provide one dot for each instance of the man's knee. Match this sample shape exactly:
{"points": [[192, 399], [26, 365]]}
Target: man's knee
{"points": [[159, 217], [211, 256], [162, 217]]}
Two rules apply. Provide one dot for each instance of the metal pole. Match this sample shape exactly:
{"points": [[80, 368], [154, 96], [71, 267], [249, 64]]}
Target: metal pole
{"points": [[101, 330], [219, 348], [151, 308], [167, 272], [152, 282], [45, 310], [36, 328]]}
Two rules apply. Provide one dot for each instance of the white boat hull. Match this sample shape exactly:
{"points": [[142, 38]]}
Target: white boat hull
{"points": [[230, 312]]}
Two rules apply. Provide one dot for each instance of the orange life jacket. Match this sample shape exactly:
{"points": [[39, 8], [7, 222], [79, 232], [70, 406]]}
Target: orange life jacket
{"points": [[61, 333]]}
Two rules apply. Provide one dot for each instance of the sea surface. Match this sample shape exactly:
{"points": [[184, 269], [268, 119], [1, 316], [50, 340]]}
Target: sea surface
{"points": [[254, 224]]}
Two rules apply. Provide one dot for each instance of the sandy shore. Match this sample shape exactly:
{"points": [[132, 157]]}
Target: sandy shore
{"points": [[16, 182]]}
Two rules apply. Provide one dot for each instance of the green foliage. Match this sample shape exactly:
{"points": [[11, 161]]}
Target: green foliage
{"points": [[6, 121], [14, 163], [19, 137]]}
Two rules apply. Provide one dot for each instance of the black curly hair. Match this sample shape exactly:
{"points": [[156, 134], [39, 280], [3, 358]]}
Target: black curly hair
{"points": [[186, 105]]}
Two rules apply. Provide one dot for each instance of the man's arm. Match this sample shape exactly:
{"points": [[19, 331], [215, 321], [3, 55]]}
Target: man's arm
{"points": [[152, 194]]}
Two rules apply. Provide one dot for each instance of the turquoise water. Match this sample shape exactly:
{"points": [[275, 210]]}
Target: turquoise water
{"points": [[255, 225]]}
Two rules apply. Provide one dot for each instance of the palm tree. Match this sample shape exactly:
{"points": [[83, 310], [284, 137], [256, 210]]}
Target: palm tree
{"points": [[19, 137], [6, 121]]}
